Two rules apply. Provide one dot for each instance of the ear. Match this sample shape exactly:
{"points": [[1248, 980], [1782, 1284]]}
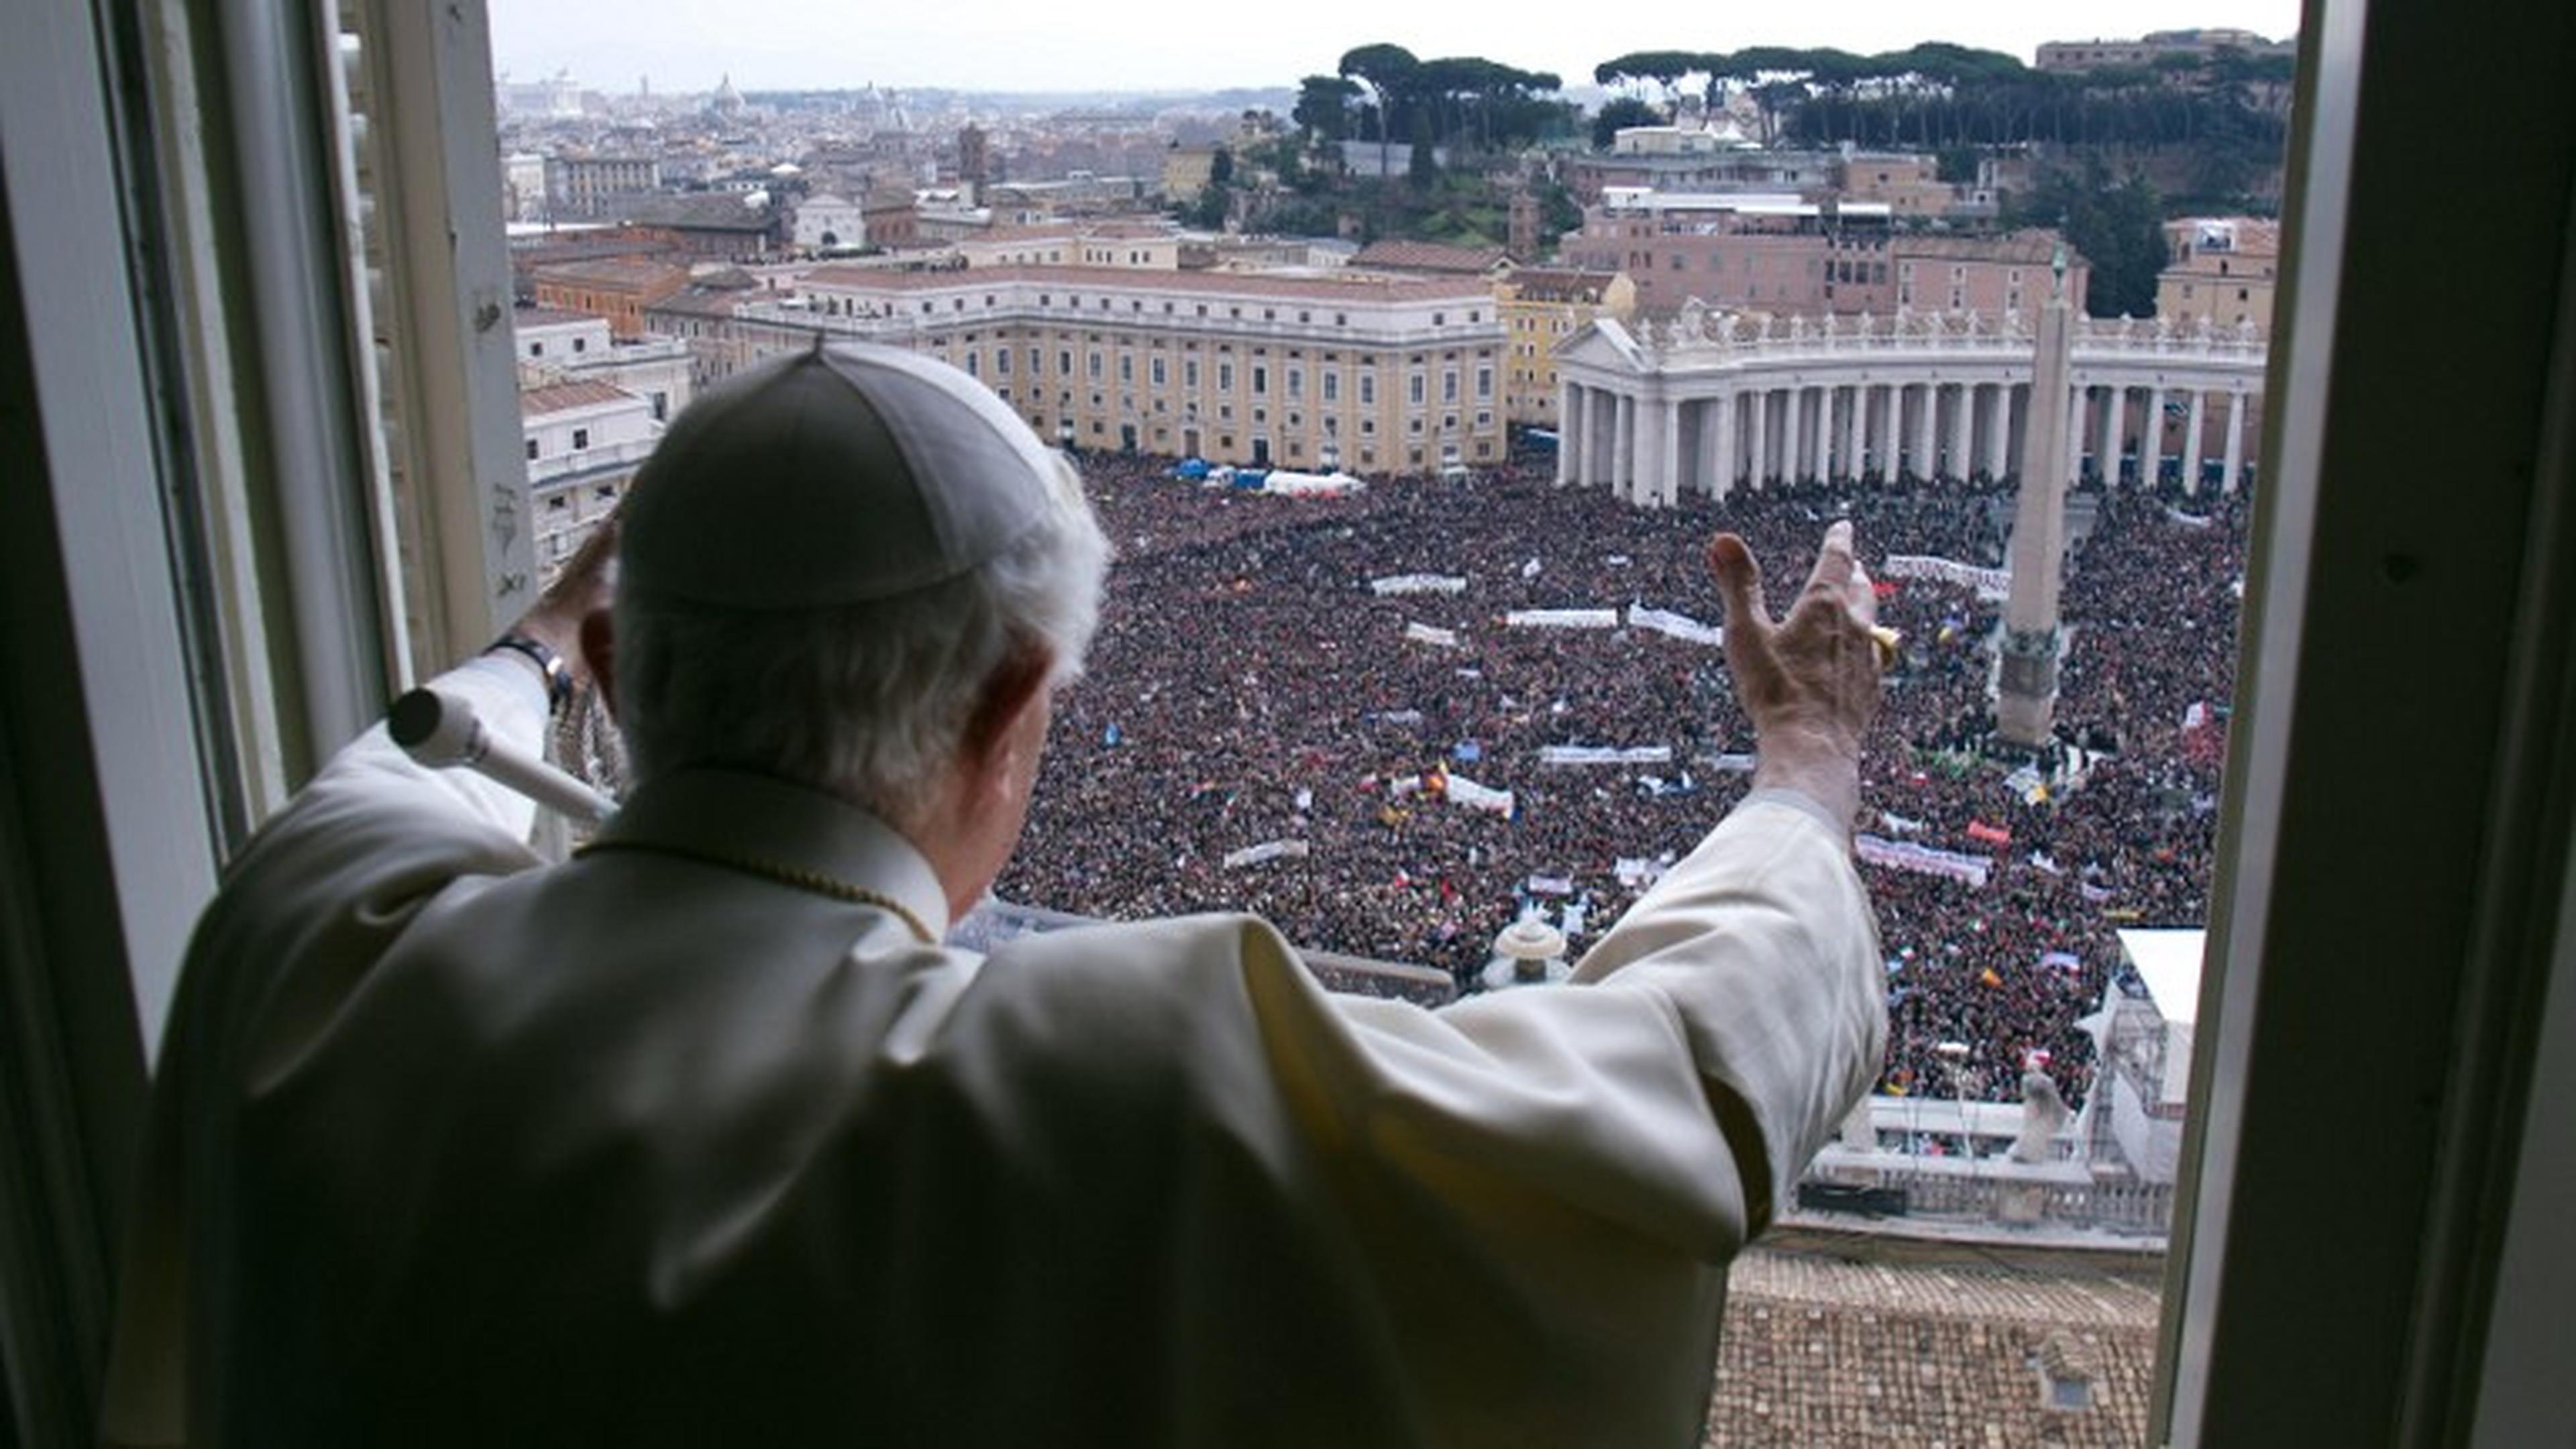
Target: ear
{"points": [[598, 655], [1018, 686]]}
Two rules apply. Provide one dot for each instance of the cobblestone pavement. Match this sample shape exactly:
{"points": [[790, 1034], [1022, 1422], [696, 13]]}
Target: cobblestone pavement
{"points": [[1835, 1340]]}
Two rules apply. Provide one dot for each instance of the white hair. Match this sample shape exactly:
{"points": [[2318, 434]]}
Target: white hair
{"points": [[867, 702]]}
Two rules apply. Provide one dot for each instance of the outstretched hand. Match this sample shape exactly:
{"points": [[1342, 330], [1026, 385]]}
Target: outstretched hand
{"points": [[1810, 681], [587, 583]]}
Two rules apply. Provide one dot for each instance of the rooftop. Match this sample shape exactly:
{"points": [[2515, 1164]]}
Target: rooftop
{"points": [[697, 211], [564, 397], [1422, 256], [2030, 248], [1561, 284], [1279, 286], [1853, 1341], [528, 314], [611, 272]]}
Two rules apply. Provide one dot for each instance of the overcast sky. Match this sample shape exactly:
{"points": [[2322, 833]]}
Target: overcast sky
{"points": [[1036, 45]]}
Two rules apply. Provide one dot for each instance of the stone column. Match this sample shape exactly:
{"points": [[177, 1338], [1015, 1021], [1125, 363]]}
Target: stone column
{"points": [[1568, 430], [2193, 431], [1960, 432], [1623, 444], [2115, 435], [1665, 487], [1856, 434], [1889, 427], [2075, 414], [1801, 418], [1761, 412], [2235, 442], [1999, 430], [1931, 400], [1721, 479], [2151, 438]]}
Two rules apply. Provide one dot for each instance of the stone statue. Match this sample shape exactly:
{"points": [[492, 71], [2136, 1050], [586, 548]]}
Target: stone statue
{"points": [[2012, 324], [1970, 327], [1798, 327], [1827, 328], [2043, 1112], [1692, 325]]}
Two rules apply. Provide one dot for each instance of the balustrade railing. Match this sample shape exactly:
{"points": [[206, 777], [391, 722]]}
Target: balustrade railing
{"points": [[1704, 331]]}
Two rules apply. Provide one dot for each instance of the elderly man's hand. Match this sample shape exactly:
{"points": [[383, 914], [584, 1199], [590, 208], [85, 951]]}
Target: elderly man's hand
{"points": [[588, 582], [1810, 682]]}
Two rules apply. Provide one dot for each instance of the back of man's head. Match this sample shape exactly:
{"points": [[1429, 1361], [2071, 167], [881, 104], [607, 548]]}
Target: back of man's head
{"points": [[827, 560]]}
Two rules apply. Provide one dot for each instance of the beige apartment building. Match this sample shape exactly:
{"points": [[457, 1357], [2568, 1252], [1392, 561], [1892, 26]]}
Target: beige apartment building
{"points": [[1990, 275], [1787, 257], [1541, 307], [2219, 268], [1909, 184], [1377, 375], [1138, 245], [2065, 56], [617, 288], [589, 186]]}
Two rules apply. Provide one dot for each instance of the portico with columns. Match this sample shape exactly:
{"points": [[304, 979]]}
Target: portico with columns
{"points": [[1708, 403]]}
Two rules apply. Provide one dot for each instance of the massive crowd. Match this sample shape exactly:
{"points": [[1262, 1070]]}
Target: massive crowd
{"points": [[1250, 687]]}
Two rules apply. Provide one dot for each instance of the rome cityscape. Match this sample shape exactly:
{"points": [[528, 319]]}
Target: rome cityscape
{"points": [[1409, 388]]}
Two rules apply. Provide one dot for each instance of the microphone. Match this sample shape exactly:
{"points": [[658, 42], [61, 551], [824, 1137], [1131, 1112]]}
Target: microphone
{"points": [[441, 731]]}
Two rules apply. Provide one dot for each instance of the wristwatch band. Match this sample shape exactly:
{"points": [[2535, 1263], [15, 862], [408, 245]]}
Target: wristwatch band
{"points": [[548, 662]]}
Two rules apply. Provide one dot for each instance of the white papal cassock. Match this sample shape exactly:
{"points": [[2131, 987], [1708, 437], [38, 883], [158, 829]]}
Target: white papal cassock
{"points": [[667, 1145]]}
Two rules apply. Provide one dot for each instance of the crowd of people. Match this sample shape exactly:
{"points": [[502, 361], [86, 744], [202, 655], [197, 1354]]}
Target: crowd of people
{"points": [[1254, 694]]}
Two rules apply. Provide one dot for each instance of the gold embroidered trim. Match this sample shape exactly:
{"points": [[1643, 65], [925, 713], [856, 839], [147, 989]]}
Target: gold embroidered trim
{"points": [[814, 882]]}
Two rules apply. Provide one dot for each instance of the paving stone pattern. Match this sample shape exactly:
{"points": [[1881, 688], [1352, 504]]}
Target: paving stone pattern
{"points": [[1955, 1350]]}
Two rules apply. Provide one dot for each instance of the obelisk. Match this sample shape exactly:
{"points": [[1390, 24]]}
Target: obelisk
{"points": [[2026, 703]]}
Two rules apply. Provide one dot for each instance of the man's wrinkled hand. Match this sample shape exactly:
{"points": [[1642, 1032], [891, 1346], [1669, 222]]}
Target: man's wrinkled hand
{"points": [[1809, 682], [587, 583]]}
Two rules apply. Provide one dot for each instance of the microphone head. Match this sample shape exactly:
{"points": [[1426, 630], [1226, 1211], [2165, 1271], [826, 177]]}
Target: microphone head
{"points": [[438, 730]]}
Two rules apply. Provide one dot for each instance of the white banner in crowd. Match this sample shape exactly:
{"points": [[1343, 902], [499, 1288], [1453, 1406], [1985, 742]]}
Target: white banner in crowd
{"points": [[1923, 859], [1679, 626], [1266, 850], [1427, 634], [1636, 872], [1563, 618], [1731, 764], [1550, 885], [1990, 584], [1418, 584], [1463, 791], [1309, 485], [1605, 755]]}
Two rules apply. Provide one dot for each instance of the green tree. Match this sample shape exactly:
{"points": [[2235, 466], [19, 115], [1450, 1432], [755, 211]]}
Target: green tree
{"points": [[1617, 114], [2118, 228], [1324, 106], [1391, 74]]}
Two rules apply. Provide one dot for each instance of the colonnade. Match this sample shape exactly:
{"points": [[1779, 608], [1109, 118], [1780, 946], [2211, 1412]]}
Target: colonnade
{"points": [[1660, 437]]}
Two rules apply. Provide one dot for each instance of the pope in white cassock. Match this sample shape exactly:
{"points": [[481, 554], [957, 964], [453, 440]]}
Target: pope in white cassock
{"points": [[703, 1137]]}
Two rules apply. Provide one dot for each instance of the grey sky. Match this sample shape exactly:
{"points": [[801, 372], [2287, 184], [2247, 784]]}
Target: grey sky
{"points": [[1023, 45]]}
